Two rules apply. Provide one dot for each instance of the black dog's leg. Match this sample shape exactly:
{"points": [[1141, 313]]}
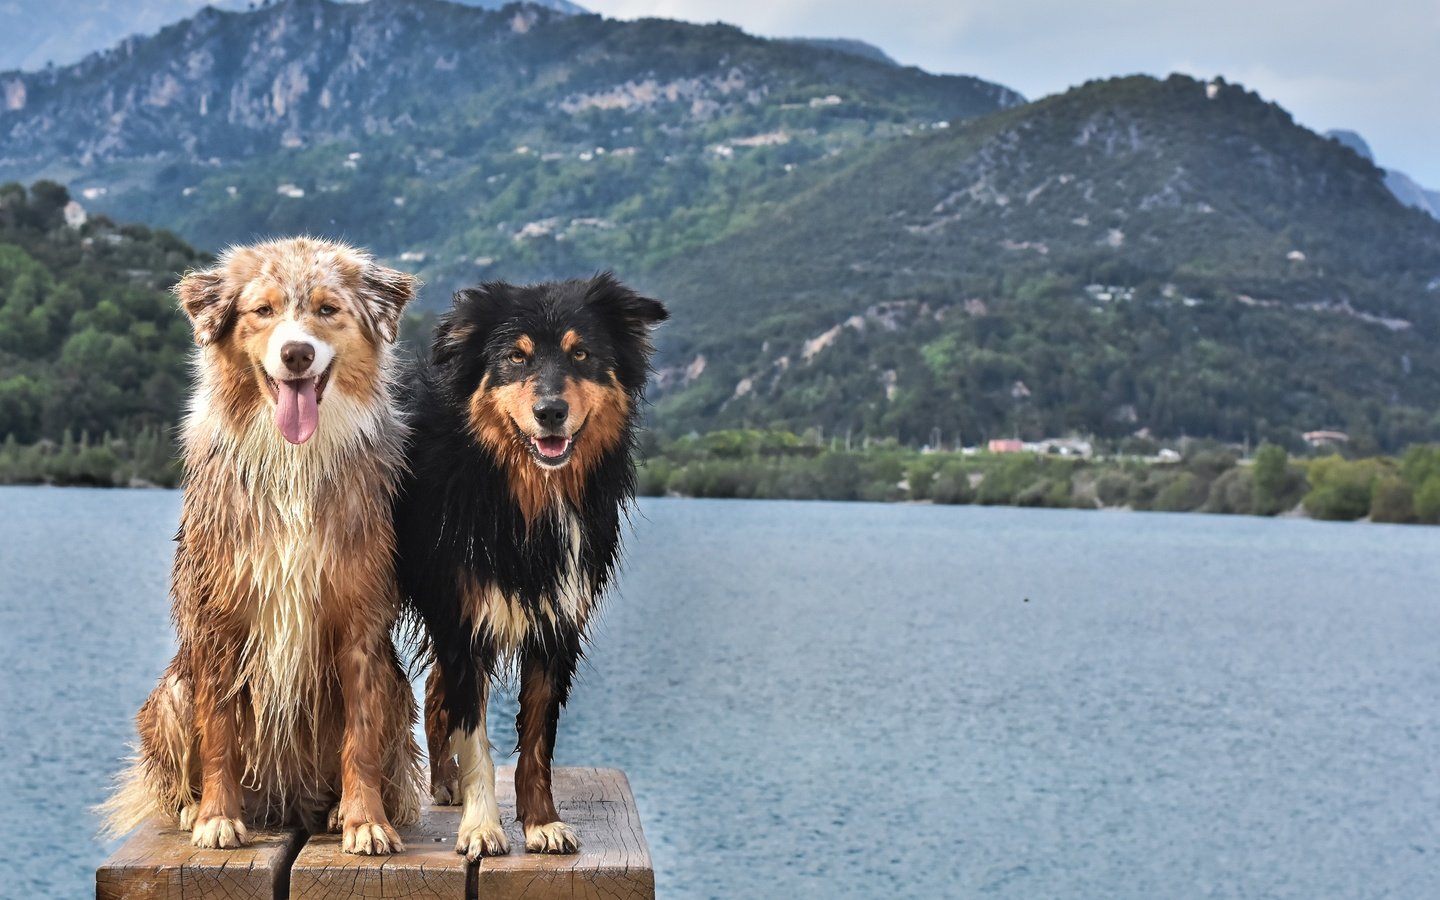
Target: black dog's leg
{"points": [[444, 773], [546, 672], [467, 688]]}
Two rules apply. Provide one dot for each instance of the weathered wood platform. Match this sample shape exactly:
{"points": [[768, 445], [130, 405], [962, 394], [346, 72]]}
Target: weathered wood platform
{"points": [[158, 863]]}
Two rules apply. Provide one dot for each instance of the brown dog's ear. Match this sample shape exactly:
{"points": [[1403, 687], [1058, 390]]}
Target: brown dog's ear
{"points": [[210, 307], [388, 290]]}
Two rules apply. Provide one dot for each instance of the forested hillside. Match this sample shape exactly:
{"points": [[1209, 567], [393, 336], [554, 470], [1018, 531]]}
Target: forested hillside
{"points": [[849, 247], [91, 343], [1135, 254], [467, 143]]}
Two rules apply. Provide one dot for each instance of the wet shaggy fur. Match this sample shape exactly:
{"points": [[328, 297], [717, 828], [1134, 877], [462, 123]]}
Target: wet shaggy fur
{"points": [[509, 521], [286, 694]]}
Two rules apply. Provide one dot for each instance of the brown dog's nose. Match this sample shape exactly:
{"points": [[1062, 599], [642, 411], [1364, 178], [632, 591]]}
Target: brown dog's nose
{"points": [[297, 356]]}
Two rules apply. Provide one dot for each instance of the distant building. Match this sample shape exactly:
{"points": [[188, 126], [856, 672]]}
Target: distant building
{"points": [[1006, 445], [75, 214], [1325, 438]]}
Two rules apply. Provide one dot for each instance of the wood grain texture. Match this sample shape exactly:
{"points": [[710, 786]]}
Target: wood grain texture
{"points": [[613, 862], [159, 863], [429, 869]]}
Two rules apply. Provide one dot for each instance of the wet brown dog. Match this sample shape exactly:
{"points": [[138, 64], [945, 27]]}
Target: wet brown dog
{"points": [[286, 693]]}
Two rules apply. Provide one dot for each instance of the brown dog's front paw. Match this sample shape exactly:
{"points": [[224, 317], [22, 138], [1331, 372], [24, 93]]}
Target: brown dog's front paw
{"points": [[553, 837], [446, 793], [371, 839], [219, 833]]}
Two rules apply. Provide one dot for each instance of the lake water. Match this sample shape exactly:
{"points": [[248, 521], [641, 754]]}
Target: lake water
{"points": [[851, 700]]}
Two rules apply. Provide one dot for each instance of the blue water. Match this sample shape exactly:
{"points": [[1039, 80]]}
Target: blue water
{"points": [[830, 700]]}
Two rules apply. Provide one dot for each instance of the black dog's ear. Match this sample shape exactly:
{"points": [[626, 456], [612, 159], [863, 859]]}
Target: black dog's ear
{"points": [[638, 313], [388, 290], [472, 309], [207, 302]]}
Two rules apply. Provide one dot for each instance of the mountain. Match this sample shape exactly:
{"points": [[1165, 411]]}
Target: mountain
{"points": [[847, 245], [1405, 189], [459, 141], [851, 46], [1134, 254], [35, 34], [1411, 194]]}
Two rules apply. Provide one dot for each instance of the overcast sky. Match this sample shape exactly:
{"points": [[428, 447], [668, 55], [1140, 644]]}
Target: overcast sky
{"points": [[1373, 67]]}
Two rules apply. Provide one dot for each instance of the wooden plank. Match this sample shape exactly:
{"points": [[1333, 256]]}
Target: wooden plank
{"points": [[159, 863], [429, 869], [613, 862]]}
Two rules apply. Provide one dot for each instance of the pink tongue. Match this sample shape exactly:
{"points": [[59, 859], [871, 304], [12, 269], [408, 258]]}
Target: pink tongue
{"points": [[552, 446], [296, 411]]}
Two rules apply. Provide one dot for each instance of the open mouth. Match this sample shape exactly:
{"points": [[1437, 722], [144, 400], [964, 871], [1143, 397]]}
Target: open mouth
{"points": [[297, 405], [550, 451]]}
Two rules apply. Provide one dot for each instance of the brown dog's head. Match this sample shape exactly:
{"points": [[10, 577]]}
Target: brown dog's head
{"points": [[551, 372], [286, 321]]}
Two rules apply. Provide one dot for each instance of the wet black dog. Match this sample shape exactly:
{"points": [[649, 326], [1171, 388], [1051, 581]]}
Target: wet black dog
{"points": [[508, 526]]}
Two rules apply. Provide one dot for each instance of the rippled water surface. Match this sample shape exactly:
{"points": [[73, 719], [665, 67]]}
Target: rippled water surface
{"points": [[822, 700]]}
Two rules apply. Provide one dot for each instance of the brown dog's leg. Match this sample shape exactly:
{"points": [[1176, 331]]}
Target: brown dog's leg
{"points": [[170, 743], [544, 687], [218, 821], [444, 772], [362, 666]]}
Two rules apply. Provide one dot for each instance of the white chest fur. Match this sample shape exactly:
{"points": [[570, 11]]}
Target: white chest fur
{"points": [[506, 617]]}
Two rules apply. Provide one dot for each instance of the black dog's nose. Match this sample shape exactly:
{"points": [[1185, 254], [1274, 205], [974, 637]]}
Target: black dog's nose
{"points": [[551, 412], [297, 356]]}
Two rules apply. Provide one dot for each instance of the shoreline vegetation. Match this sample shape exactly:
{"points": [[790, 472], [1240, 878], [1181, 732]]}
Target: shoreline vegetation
{"points": [[1199, 476], [1203, 476]]}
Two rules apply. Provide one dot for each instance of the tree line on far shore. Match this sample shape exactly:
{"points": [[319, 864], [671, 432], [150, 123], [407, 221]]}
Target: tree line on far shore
{"points": [[783, 466], [1206, 478]]}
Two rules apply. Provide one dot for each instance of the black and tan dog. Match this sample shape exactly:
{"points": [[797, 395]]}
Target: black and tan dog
{"points": [[286, 694], [509, 522]]}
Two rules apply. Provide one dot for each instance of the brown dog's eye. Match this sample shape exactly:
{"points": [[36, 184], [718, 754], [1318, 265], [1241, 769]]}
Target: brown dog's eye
{"points": [[580, 355], [328, 310], [517, 358], [264, 312]]}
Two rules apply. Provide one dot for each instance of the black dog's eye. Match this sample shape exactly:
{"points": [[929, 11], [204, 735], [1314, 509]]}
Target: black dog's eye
{"points": [[264, 312], [517, 357], [328, 310], [579, 354]]}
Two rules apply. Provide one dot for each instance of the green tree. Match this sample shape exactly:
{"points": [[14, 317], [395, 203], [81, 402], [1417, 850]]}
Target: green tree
{"points": [[1269, 479], [1393, 500], [1340, 489], [1427, 500], [952, 484]]}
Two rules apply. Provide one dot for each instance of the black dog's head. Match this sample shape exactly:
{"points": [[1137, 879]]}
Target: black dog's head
{"points": [[550, 373]]}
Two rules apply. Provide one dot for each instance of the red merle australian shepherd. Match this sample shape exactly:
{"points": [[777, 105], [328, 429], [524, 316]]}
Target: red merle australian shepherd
{"points": [[286, 694], [508, 524]]}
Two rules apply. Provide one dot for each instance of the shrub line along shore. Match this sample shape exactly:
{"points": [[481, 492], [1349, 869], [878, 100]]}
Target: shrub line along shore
{"points": [[1206, 477]]}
